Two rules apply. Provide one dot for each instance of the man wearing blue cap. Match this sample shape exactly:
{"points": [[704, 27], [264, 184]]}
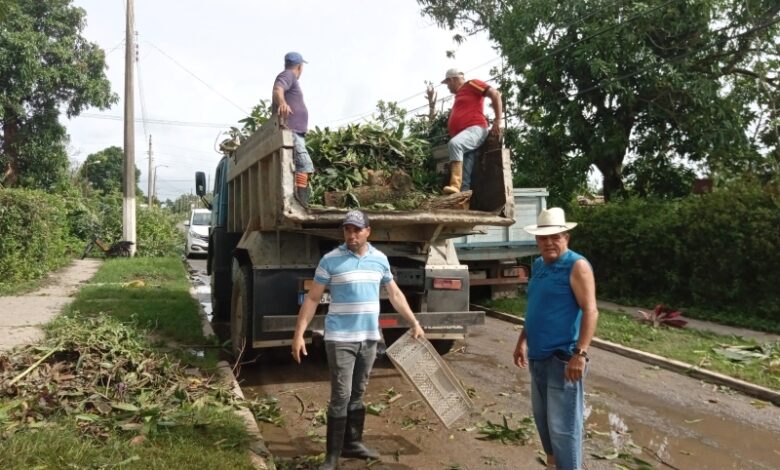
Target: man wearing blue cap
{"points": [[354, 272], [288, 103]]}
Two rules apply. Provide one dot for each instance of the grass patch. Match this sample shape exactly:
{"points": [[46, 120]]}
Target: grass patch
{"points": [[152, 293], [110, 387], [687, 345], [24, 287], [726, 315], [210, 440]]}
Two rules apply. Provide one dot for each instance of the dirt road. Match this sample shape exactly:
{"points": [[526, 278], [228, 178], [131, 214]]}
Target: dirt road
{"points": [[634, 410]]}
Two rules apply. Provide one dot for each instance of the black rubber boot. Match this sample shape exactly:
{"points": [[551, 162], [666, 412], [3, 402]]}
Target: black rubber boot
{"points": [[353, 445], [335, 441], [302, 195]]}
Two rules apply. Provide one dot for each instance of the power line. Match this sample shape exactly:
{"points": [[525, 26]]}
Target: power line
{"points": [[199, 79], [162, 122]]}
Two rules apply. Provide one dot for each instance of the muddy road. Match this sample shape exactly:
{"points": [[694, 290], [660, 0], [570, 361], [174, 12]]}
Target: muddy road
{"points": [[635, 411]]}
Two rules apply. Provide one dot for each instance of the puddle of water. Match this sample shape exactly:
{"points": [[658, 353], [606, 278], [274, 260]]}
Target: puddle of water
{"points": [[679, 437]]}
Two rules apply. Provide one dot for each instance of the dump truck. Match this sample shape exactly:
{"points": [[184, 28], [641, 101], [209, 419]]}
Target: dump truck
{"points": [[264, 246]]}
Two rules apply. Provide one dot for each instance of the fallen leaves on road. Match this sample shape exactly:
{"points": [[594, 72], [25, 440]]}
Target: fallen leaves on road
{"points": [[107, 377]]}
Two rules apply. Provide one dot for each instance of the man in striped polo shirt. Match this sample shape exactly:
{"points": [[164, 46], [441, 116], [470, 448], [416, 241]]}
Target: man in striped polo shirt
{"points": [[354, 272]]}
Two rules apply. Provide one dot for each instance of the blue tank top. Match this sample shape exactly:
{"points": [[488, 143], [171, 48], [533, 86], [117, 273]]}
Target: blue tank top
{"points": [[552, 322]]}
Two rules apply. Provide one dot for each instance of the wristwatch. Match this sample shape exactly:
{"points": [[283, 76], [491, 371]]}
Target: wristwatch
{"points": [[580, 352]]}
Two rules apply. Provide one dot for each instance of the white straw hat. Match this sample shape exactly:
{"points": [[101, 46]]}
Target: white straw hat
{"points": [[550, 222]]}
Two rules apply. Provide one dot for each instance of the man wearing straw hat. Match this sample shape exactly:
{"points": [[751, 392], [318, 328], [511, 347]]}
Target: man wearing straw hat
{"points": [[559, 325]]}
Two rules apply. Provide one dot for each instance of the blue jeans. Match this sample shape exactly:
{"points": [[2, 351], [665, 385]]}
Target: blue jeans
{"points": [[463, 148], [303, 163], [558, 407], [349, 364]]}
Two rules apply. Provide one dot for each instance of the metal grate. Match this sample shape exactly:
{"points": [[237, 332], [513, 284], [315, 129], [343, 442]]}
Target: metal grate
{"points": [[419, 363]]}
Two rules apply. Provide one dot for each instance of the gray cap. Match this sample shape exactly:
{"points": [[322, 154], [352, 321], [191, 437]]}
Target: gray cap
{"points": [[356, 218], [293, 58], [452, 73]]}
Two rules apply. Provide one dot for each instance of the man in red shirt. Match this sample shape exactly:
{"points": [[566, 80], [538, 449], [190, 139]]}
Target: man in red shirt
{"points": [[467, 126]]}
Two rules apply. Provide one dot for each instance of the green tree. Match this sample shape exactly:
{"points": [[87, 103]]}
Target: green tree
{"points": [[103, 170], [45, 65], [593, 83], [260, 113], [183, 203]]}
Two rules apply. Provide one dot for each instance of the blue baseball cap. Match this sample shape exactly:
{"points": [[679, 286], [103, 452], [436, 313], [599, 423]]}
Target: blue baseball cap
{"points": [[293, 58], [356, 218]]}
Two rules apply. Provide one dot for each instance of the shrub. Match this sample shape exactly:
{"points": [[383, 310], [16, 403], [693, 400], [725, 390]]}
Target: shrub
{"points": [[719, 251], [156, 232], [34, 234]]}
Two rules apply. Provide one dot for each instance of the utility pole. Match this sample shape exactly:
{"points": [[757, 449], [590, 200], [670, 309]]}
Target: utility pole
{"points": [[150, 175], [154, 176], [128, 201]]}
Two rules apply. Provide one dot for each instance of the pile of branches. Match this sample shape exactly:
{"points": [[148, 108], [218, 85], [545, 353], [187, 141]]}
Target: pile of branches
{"points": [[107, 377], [371, 166]]}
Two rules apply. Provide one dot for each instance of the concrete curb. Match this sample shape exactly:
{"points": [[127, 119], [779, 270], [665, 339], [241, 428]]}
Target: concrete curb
{"points": [[747, 388], [259, 454]]}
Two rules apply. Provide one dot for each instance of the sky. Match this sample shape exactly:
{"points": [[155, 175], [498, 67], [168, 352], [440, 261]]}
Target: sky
{"points": [[204, 64]]}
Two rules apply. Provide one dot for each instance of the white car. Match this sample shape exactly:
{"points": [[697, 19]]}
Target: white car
{"points": [[198, 232]]}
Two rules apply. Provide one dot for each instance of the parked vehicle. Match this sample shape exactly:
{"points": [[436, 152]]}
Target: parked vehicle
{"points": [[197, 239], [492, 256], [264, 246]]}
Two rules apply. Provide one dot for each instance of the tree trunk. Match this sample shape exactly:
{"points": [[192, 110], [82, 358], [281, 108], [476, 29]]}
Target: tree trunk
{"points": [[609, 157], [612, 172], [10, 130]]}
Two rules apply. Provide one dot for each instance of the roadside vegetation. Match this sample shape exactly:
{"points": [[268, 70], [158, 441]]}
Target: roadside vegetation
{"points": [[124, 378], [729, 355], [715, 256]]}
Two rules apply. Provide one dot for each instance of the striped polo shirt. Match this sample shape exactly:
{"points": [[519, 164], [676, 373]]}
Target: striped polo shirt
{"points": [[354, 281]]}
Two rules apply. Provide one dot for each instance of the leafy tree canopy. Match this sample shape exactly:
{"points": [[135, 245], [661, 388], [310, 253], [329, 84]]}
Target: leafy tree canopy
{"points": [[45, 65], [103, 170], [597, 82]]}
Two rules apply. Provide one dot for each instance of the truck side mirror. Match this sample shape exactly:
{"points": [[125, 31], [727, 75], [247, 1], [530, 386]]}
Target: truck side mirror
{"points": [[200, 183]]}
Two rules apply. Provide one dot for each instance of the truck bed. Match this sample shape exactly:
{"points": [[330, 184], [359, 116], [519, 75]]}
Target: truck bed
{"points": [[261, 180]]}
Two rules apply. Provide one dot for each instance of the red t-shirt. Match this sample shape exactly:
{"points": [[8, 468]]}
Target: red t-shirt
{"points": [[468, 108]]}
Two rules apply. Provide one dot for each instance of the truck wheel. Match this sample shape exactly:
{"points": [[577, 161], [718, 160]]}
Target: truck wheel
{"points": [[442, 346], [240, 312]]}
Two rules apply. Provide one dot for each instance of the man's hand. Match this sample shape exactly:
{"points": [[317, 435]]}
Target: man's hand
{"points": [[285, 111], [417, 331], [520, 355], [575, 368], [495, 130], [298, 348]]}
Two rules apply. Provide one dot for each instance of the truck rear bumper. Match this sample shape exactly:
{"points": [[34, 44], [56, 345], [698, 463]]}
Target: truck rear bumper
{"points": [[435, 321], [437, 325]]}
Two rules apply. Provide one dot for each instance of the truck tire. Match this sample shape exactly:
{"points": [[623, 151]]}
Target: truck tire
{"points": [[240, 312]]}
